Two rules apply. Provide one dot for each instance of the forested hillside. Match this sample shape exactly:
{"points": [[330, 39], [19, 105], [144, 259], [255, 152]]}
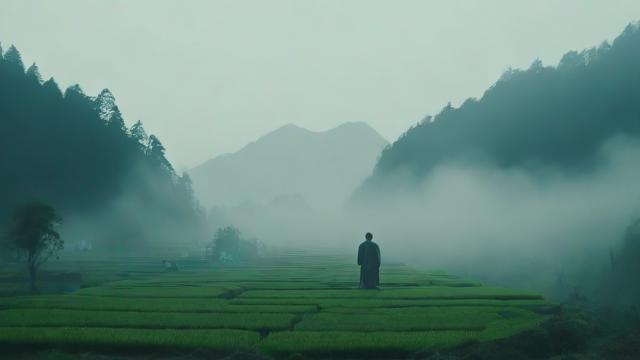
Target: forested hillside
{"points": [[112, 184], [543, 117]]}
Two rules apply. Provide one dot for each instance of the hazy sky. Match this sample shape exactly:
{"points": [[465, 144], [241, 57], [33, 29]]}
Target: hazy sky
{"points": [[209, 76]]}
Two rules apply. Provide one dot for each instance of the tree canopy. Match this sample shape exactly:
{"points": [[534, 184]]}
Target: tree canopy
{"points": [[32, 233], [229, 247], [73, 151], [551, 116]]}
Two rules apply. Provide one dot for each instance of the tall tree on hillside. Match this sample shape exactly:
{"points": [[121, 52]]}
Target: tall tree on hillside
{"points": [[116, 121], [156, 151], [32, 231], [33, 73], [72, 151], [13, 56], [185, 186], [138, 132], [74, 92], [539, 118], [51, 89], [105, 102], [109, 111]]}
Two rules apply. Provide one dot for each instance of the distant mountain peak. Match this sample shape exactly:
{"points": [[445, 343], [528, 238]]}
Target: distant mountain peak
{"points": [[289, 127], [285, 130], [321, 166], [346, 127], [352, 124]]}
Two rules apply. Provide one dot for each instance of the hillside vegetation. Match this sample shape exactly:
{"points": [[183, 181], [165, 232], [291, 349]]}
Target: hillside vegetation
{"points": [[112, 184], [542, 117]]}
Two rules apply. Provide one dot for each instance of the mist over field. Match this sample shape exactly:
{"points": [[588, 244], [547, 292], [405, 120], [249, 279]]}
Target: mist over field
{"points": [[513, 224], [500, 188], [514, 227], [312, 180], [531, 184]]}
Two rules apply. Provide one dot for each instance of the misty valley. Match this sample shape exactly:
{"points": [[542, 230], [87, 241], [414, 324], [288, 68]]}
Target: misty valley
{"points": [[504, 227]]}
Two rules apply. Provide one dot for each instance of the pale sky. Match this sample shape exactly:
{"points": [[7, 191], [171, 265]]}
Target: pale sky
{"points": [[209, 76]]}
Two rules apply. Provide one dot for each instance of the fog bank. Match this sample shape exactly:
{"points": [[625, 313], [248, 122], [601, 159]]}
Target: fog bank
{"points": [[480, 220]]}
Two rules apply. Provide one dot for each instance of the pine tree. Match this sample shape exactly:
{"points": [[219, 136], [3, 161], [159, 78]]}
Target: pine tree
{"points": [[137, 132], [88, 163], [1, 53], [105, 104], [155, 152], [34, 74], [186, 185], [13, 56], [74, 95], [187, 194], [116, 121], [74, 90], [109, 111], [536, 66], [51, 87]]}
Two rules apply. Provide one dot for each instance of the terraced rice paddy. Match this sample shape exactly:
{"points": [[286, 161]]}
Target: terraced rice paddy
{"points": [[289, 303]]}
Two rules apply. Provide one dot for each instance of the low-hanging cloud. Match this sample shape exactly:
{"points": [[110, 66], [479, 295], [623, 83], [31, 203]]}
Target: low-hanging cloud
{"points": [[481, 220]]}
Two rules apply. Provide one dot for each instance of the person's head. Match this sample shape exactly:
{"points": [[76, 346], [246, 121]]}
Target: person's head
{"points": [[369, 236]]}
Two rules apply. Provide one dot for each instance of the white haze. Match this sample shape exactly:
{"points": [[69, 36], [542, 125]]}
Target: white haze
{"points": [[481, 220]]}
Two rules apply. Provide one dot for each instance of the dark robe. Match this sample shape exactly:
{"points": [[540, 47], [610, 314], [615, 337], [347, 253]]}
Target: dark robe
{"points": [[369, 261]]}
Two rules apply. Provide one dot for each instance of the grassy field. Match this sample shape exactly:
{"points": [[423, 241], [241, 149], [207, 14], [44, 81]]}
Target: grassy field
{"points": [[289, 303]]}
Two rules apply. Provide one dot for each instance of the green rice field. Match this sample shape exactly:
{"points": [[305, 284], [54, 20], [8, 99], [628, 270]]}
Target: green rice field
{"points": [[289, 303]]}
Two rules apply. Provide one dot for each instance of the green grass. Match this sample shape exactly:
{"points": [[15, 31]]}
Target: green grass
{"points": [[434, 292], [411, 319], [144, 320], [76, 302], [358, 305], [300, 303], [160, 292], [365, 322], [391, 343], [128, 339], [244, 285], [361, 344]]}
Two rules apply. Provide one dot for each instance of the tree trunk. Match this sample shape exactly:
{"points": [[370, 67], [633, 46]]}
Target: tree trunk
{"points": [[32, 278]]}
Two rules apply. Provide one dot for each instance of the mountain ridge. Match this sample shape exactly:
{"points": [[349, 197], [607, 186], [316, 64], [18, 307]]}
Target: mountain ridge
{"points": [[555, 117], [291, 127], [340, 157]]}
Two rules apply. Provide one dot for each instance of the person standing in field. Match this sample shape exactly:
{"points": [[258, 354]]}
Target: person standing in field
{"points": [[369, 261]]}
